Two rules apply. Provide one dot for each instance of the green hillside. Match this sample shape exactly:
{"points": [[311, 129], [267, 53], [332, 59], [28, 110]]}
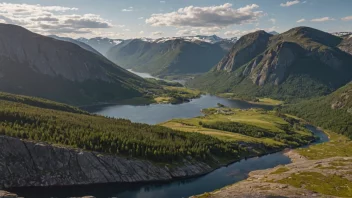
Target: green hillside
{"points": [[300, 63], [171, 57], [62, 71], [332, 112]]}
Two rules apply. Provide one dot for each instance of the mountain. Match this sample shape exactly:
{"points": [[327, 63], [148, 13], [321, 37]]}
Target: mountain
{"points": [[332, 112], [302, 62], [346, 44], [35, 65], [81, 44], [342, 34], [102, 45], [168, 56], [274, 33]]}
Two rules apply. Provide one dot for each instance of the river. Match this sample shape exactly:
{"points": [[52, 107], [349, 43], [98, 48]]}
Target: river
{"points": [[157, 113]]}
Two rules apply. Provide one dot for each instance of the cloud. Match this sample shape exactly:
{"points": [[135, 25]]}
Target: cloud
{"points": [[210, 30], [186, 32], [51, 19], [238, 33], [324, 19], [273, 21], [301, 21], [141, 18], [348, 18], [213, 16], [233, 33], [127, 10], [141, 32], [289, 3], [157, 33], [162, 1]]}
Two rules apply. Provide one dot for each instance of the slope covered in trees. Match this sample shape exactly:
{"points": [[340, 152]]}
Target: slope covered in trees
{"points": [[332, 112], [39, 120]]}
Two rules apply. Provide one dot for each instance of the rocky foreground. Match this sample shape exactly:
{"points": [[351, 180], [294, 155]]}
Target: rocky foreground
{"points": [[5, 194], [24, 163], [280, 181]]}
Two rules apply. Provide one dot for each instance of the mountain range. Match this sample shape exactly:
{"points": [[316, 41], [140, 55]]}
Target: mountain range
{"points": [[170, 56], [302, 62], [77, 42], [36, 65], [101, 44]]}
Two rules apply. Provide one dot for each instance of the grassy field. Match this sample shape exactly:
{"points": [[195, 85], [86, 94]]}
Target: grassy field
{"points": [[176, 94], [265, 120], [339, 145], [261, 101]]}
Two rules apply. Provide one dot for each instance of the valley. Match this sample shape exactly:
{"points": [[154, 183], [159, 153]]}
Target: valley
{"points": [[259, 115]]}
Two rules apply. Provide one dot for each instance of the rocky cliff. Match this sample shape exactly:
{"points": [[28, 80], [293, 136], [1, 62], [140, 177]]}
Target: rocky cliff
{"points": [[346, 44], [24, 163]]}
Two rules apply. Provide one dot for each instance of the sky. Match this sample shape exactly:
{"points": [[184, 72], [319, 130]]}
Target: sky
{"points": [[122, 19]]}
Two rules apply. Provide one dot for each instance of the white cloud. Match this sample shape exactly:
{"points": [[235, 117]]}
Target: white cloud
{"points": [[238, 33], [141, 32], [324, 19], [157, 33], [51, 19], [289, 3], [210, 30], [141, 18], [233, 33], [273, 21], [213, 16], [130, 9], [348, 18], [186, 32], [301, 21]]}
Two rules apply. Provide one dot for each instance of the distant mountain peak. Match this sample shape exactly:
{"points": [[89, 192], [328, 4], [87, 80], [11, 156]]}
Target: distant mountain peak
{"points": [[274, 33]]}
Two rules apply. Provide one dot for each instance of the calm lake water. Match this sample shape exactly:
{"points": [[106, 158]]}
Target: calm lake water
{"points": [[177, 189], [157, 113]]}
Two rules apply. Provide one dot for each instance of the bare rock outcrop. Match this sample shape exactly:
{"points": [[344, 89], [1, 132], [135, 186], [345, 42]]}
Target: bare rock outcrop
{"points": [[24, 163]]}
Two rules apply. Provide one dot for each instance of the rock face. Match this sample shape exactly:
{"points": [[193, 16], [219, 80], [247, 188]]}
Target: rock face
{"points": [[25, 163], [248, 47], [346, 44], [4, 194]]}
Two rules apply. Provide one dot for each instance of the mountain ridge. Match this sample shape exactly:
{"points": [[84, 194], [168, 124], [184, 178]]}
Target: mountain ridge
{"points": [[302, 62], [37, 65], [168, 57]]}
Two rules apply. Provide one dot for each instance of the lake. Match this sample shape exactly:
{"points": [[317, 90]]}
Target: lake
{"points": [[157, 113]]}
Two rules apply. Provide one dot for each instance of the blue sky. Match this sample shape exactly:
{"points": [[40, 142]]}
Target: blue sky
{"points": [[155, 18]]}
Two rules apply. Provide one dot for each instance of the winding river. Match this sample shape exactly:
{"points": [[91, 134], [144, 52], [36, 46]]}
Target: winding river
{"points": [[153, 114]]}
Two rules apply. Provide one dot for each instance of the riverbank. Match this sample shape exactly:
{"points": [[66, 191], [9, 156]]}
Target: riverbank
{"points": [[321, 170]]}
